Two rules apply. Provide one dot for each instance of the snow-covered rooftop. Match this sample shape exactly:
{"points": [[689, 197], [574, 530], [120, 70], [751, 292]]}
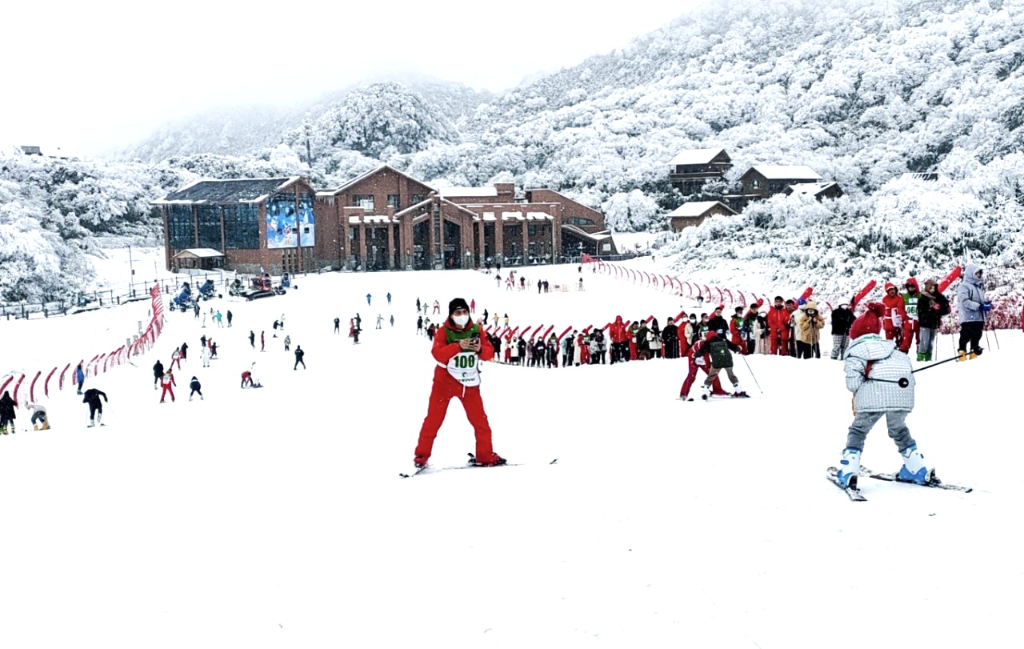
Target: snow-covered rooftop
{"points": [[810, 189], [201, 253], [696, 156], [469, 192], [784, 172], [235, 190], [696, 209]]}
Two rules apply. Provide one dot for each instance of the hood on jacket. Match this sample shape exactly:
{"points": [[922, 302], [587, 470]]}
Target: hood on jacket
{"points": [[912, 283], [810, 306], [969, 275], [618, 319], [868, 323], [890, 285]]}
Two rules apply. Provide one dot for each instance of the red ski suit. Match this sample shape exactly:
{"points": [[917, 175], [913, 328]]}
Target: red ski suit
{"points": [[896, 321], [778, 329], [167, 382], [697, 350], [617, 331], [446, 387]]}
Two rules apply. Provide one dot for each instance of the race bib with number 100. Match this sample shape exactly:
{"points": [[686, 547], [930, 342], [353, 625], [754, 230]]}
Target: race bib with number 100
{"points": [[463, 368]]}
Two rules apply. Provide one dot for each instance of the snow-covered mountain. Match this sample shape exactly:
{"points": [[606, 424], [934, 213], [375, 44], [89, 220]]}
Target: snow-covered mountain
{"points": [[862, 91]]}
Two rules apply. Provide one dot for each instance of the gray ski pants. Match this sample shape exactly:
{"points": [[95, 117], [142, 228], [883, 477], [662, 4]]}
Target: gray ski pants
{"points": [[839, 343], [927, 340], [894, 420]]}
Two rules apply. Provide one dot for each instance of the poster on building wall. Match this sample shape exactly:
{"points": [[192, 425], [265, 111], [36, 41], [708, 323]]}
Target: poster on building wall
{"points": [[284, 226]]}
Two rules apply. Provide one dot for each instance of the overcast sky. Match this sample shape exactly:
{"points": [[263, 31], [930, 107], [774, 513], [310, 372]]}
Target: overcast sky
{"points": [[90, 75]]}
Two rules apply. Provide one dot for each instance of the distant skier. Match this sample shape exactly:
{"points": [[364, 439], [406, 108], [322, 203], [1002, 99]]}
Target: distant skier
{"points": [[288, 343], [158, 371], [195, 308], [247, 381], [417, 305], [167, 383], [298, 358], [263, 340], [472, 306], [229, 318], [875, 374], [196, 389], [7, 415], [79, 377], [184, 351], [437, 307], [458, 349], [719, 348], [39, 420], [392, 320], [353, 331], [337, 325], [175, 358], [220, 319], [92, 397], [380, 319], [281, 322], [205, 355], [368, 299], [389, 299], [419, 324], [252, 338]]}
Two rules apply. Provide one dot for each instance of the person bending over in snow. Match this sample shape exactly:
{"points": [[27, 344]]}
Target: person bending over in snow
{"points": [[196, 389], [719, 348], [458, 349], [39, 420], [247, 380], [92, 397], [876, 373]]}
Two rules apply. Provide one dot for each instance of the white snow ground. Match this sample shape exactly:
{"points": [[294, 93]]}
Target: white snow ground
{"points": [[276, 517]]}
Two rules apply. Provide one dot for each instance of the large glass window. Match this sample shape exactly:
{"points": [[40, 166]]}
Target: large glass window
{"points": [[395, 201], [364, 201], [180, 227], [209, 226], [416, 198], [242, 226], [576, 220]]}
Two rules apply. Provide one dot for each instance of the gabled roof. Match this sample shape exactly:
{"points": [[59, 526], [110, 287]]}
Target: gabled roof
{"points": [[811, 189], [580, 232], [227, 191], [411, 208], [555, 191], [697, 209], [198, 253], [782, 172], [445, 201], [361, 177], [696, 156], [469, 192]]}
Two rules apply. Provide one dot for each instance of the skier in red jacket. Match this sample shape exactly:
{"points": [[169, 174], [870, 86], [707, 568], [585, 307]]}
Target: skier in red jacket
{"points": [[617, 332], [778, 327], [458, 349], [699, 359], [895, 316]]}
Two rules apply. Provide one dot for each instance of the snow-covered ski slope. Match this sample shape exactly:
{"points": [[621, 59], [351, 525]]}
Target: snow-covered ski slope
{"points": [[276, 517]]}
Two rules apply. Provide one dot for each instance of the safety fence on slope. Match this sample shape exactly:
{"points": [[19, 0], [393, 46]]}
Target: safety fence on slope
{"points": [[98, 364], [1003, 315]]}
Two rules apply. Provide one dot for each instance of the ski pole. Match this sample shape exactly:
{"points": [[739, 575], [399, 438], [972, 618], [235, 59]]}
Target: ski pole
{"points": [[744, 357], [994, 334], [905, 382]]}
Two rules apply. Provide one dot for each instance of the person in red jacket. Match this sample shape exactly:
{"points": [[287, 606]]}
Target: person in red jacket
{"points": [[778, 327], [699, 359], [167, 383], [617, 332], [735, 327], [458, 349], [895, 316]]}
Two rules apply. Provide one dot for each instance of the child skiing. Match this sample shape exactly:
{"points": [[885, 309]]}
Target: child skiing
{"points": [[876, 374], [196, 389], [458, 348], [719, 348]]}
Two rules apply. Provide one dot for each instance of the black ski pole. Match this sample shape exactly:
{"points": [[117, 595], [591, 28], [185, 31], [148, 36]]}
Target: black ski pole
{"points": [[905, 382]]}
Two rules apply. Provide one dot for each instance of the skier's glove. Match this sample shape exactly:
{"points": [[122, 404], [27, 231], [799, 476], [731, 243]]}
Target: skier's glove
{"points": [[986, 307]]}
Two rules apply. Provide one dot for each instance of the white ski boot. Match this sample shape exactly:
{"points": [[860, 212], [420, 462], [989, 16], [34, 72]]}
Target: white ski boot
{"points": [[705, 392], [849, 468], [914, 469]]}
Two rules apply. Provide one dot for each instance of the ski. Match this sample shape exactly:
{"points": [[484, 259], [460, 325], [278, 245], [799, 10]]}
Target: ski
{"points": [[469, 465], [853, 492], [935, 483]]}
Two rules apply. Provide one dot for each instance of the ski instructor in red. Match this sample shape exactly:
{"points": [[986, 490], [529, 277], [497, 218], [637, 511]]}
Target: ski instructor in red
{"points": [[458, 349]]}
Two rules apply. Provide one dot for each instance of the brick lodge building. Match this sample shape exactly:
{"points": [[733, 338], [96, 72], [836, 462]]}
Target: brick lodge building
{"points": [[381, 220]]}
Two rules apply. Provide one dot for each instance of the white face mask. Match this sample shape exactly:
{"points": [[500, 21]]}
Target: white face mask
{"points": [[460, 320]]}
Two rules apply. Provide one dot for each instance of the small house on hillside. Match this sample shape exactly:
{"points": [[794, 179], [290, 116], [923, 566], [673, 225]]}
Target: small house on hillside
{"points": [[764, 181], [692, 214], [820, 190], [690, 169]]}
